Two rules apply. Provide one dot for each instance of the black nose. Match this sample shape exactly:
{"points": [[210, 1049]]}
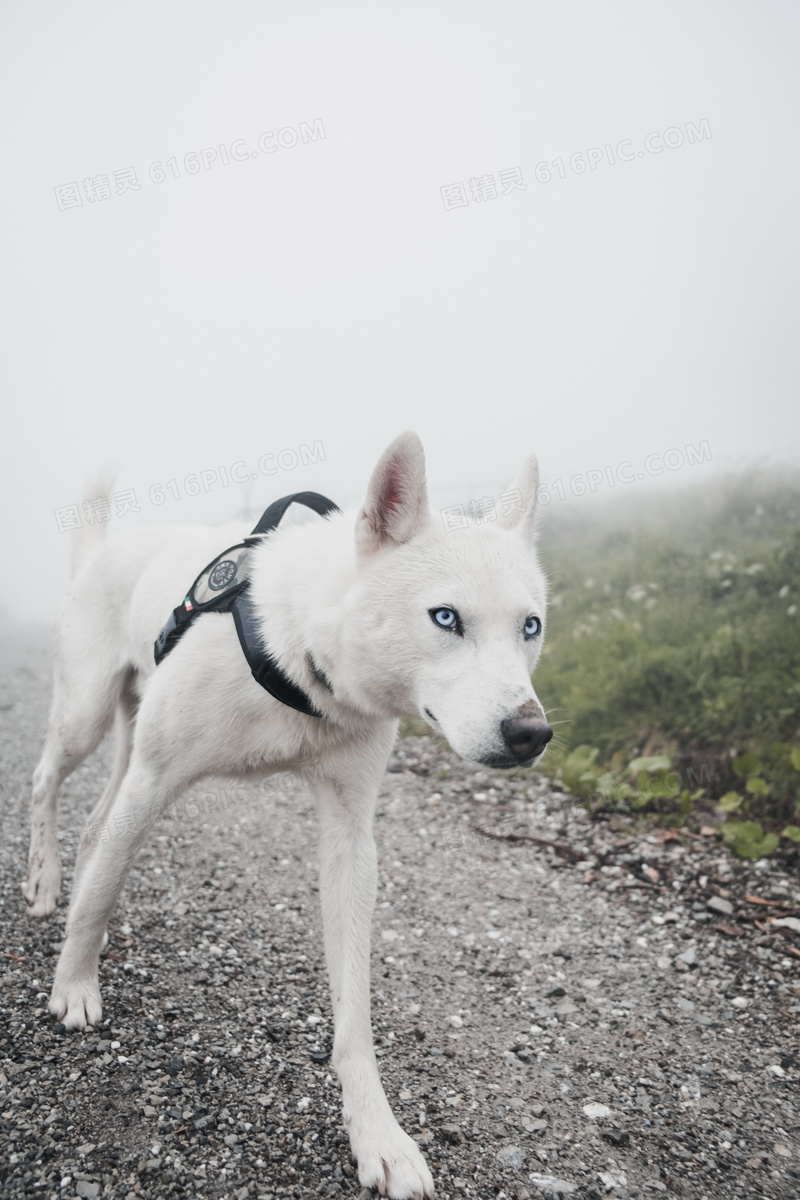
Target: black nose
{"points": [[526, 736]]}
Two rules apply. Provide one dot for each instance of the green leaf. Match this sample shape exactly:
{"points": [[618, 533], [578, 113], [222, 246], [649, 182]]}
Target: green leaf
{"points": [[580, 774], [747, 839], [581, 758], [758, 849], [734, 829], [729, 802], [756, 786], [792, 832], [651, 764], [794, 758], [747, 764], [656, 786]]}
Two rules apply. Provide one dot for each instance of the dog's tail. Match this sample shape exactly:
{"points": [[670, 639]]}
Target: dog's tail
{"points": [[93, 515]]}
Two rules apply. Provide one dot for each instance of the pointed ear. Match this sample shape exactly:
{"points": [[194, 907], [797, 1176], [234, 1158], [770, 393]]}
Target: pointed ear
{"points": [[521, 499], [396, 507]]}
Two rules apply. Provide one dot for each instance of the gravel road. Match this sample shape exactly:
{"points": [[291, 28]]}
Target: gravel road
{"points": [[611, 1016]]}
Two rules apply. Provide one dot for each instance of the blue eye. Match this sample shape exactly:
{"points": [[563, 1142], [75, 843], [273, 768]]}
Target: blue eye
{"points": [[446, 618], [533, 627]]}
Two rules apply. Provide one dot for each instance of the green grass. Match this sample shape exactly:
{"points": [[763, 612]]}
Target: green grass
{"points": [[672, 630]]}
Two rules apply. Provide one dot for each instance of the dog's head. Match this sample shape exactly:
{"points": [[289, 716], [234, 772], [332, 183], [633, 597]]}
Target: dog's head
{"points": [[448, 623]]}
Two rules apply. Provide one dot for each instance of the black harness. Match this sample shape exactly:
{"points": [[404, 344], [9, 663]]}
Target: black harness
{"points": [[224, 586]]}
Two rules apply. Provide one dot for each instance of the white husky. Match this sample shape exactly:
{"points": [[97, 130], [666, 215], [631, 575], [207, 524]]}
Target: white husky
{"points": [[374, 615]]}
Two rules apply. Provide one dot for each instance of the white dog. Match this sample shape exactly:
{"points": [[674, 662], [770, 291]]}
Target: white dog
{"points": [[373, 615]]}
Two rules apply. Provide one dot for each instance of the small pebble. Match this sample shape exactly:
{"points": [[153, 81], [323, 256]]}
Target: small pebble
{"points": [[511, 1157], [552, 1184], [596, 1111]]}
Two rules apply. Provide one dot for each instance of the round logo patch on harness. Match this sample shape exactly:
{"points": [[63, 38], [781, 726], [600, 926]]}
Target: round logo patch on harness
{"points": [[222, 575]]}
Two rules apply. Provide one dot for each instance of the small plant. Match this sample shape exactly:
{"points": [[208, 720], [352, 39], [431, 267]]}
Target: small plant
{"points": [[747, 838], [749, 767], [731, 802], [650, 785], [655, 787]]}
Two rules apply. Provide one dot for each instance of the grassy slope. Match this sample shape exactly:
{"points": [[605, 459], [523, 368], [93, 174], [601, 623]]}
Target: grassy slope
{"points": [[672, 626]]}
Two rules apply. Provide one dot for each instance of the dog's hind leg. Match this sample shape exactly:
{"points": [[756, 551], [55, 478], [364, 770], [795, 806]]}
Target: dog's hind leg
{"points": [[124, 719], [83, 703], [388, 1159]]}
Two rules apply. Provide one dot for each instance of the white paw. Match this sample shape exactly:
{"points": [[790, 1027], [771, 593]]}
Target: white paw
{"points": [[76, 1004], [42, 887], [389, 1160]]}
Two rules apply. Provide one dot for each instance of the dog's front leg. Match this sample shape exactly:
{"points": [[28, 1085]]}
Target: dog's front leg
{"points": [[388, 1158]]}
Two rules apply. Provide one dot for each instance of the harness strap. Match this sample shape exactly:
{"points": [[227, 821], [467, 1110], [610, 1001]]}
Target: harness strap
{"points": [[266, 671], [277, 510], [227, 580]]}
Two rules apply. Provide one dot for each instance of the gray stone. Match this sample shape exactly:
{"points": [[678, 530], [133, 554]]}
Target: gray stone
{"points": [[550, 1183], [511, 1156], [613, 1181], [721, 906], [689, 957]]}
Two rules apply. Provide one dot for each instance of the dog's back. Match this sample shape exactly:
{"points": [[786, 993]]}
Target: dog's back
{"points": [[126, 587]]}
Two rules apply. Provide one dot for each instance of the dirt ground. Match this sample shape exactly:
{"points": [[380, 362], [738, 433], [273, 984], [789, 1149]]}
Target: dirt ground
{"points": [[613, 1014]]}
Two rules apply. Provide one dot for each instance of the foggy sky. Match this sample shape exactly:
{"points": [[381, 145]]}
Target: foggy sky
{"points": [[321, 295]]}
